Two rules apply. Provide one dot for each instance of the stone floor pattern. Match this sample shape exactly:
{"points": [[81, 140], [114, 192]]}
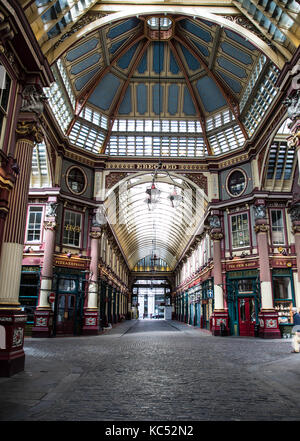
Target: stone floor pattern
{"points": [[154, 370]]}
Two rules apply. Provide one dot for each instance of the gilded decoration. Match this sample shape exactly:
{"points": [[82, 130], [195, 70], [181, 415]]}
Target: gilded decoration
{"points": [[215, 235], [261, 228], [49, 225], [95, 234], [30, 130]]}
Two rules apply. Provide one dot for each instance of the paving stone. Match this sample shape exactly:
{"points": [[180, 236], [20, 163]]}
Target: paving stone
{"points": [[154, 370]]}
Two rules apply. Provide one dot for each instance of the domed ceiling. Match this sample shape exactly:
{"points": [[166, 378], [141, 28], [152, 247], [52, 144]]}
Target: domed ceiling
{"points": [[167, 75]]}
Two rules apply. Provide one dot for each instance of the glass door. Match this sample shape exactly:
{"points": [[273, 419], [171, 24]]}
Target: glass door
{"points": [[66, 308]]}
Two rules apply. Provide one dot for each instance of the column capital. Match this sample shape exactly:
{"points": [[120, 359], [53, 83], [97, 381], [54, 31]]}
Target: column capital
{"points": [[50, 225], [30, 130], [95, 234], [261, 228], [216, 234]]}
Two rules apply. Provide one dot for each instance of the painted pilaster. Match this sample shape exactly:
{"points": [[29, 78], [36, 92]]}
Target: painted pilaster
{"points": [[294, 212], [43, 317], [220, 315], [91, 312], [268, 317]]}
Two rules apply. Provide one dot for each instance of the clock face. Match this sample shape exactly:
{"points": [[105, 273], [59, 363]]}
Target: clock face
{"points": [[76, 180], [236, 183]]}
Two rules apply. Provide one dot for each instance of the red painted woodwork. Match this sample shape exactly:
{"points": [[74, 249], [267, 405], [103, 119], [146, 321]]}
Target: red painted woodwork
{"points": [[246, 307], [66, 313]]}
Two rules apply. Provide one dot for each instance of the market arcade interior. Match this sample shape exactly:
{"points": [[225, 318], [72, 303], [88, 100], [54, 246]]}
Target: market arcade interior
{"points": [[148, 168]]}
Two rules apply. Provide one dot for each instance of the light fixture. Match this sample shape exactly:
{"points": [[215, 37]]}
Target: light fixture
{"points": [[153, 193]]}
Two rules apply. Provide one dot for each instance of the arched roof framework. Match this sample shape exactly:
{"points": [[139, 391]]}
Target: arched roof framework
{"points": [[164, 231], [200, 71]]}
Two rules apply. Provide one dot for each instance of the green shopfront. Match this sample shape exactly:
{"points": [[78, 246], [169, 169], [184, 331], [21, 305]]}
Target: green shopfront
{"points": [[243, 301]]}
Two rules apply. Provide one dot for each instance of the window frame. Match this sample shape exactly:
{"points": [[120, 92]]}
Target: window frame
{"points": [[81, 233], [227, 182], [249, 229], [67, 180], [34, 242], [283, 227]]}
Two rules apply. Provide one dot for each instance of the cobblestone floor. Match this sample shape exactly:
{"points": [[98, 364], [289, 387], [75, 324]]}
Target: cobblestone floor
{"points": [[154, 371]]}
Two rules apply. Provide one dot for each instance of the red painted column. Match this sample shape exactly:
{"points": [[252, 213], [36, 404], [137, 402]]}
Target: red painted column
{"points": [[220, 315], [295, 216], [268, 317], [43, 317], [91, 312], [12, 319]]}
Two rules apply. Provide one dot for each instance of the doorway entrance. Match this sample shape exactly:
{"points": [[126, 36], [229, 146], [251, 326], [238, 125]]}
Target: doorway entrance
{"points": [[69, 305], [247, 318]]}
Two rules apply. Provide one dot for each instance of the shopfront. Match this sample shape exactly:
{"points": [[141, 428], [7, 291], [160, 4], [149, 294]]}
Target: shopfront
{"points": [[207, 303], [70, 287], [284, 299], [243, 302], [29, 291]]}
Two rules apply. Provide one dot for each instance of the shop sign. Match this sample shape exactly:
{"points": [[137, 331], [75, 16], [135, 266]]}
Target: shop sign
{"points": [[31, 269], [74, 228], [279, 262], [241, 265], [70, 263], [241, 274]]}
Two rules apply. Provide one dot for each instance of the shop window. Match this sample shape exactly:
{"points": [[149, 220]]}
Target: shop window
{"points": [[4, 98], [68, 285], [72, 229], [28, 296], [240, 231], [245, 286], [283, 298], [34, 225], [282, 288], [278, 237]]}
